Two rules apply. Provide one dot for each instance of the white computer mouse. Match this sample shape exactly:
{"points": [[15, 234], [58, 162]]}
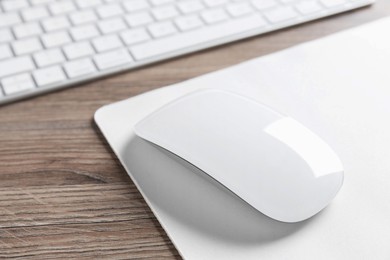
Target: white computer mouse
{"points": [[271, 161]]}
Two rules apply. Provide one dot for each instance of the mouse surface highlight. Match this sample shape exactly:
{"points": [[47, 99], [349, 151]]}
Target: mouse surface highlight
{"points": [[271, 161]]}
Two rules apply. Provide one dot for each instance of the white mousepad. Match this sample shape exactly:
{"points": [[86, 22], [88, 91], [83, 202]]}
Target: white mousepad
{"points": [[339, 87]]}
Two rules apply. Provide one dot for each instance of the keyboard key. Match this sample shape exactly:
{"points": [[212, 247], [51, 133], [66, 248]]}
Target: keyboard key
{"points": [[112, 25], [79, 68], [112, 1], [5, 51], [139, 19], [36, 13], [213, 3], [161, 2], [134, 36], [239, 9], [308, 7], [16, 65], [5, 35], [113, 59], [82, 17], [49, 57], [264, 4], [88, 3], [105, 43], [135, 5], [30, 45], [41, 2], [78, 50], [50, 75], [188, 22], [27, 30], [280, 14], [55, 39], [12, 5], [10, 19], [162, 29], [17, 83], [56, 23], [214, 16], [190, 6], [333, 3], [106, 11], [61, 7], [165, 12], [180, 41], [84, 32]]}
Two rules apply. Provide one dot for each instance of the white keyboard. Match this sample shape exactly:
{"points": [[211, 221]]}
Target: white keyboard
{"points": [[49, 44]]}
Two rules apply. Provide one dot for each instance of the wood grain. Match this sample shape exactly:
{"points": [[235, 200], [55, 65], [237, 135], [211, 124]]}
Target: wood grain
{"points": [[63, 194]]}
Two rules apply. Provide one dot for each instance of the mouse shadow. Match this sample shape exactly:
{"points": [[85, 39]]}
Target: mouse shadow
{"points": [[197, 201]]}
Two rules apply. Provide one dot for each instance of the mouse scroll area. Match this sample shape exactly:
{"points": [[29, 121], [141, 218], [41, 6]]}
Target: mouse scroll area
{"points": [[272, 162]]}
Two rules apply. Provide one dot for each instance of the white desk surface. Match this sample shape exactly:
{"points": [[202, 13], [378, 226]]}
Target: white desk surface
{"points": [[340, 88]]}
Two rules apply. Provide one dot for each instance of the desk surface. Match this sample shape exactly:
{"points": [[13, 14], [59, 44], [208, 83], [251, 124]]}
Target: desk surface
{"points": [[62, 191]]}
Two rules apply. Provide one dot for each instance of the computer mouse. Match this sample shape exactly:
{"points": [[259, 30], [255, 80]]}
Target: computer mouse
{"points": [[271, 161]]}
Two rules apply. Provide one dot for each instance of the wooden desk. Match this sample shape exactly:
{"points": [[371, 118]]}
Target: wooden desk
{"points": [[62, 191]]}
